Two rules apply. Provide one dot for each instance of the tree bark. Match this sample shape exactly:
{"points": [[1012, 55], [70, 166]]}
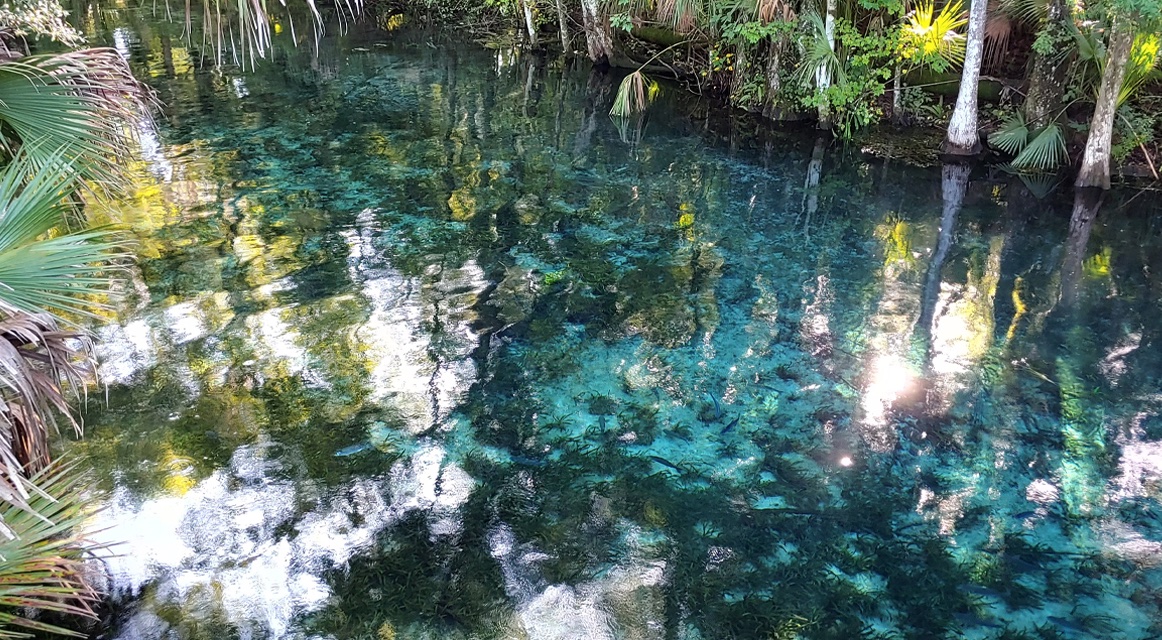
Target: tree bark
{"points": [[529, 24], [897, 90], [563, 23], [1095, 164], [963, 138], [823, 74], [597, 32], [1047, 77]]}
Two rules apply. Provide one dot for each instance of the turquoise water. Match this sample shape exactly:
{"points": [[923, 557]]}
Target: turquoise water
{"points": [[421, 344]]}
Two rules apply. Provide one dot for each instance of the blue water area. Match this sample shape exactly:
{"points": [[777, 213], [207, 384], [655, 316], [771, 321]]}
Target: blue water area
{"points": [[420, 343]]}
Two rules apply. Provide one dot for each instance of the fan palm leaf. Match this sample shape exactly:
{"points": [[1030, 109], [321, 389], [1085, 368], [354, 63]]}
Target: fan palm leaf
{"points": [[76, 104], [932, 39], [1012, 136], [817, 53], [42, 272], [1045, 150], [42, 565]]}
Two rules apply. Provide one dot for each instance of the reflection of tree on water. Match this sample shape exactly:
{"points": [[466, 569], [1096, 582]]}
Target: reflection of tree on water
{"points": [[651, 425]]}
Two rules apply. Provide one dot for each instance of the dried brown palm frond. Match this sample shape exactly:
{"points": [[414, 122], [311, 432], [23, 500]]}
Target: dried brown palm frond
{"points": [[680, 15], [40, 366], [768, 11], [998, 29]]}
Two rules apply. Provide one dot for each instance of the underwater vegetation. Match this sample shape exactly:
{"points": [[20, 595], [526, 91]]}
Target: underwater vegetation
{"points": [[444, 357]]}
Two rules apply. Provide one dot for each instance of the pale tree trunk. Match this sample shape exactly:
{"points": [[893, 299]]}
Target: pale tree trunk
{"points": [[563, 23], [529, 24], [597, 33], [897, 89], [963, 138], [811, 185], [1047, 77], [823, 74], [1095, 164]]}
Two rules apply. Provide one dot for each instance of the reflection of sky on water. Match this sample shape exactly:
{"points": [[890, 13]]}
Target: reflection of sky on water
{"points": [[222, 536]]}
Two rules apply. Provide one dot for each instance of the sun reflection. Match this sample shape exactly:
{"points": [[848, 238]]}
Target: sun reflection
{"points": [[889, 378]]}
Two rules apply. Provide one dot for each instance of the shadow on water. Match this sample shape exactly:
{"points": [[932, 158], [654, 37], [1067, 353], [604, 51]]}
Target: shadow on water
{"points": [[422, 344]]}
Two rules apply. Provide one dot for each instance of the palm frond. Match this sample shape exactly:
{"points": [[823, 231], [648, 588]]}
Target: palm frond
{"points": [[77, 104], [1028, 12], [1045, 150], [41, 274], [933, 39], [1012, 136], [680, 15], [1143, 65], [998, 29], [816, 52], [42, 566], [634, 94]]}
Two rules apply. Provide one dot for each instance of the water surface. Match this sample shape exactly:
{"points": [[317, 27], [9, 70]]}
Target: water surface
{"points": [[422, 344]]}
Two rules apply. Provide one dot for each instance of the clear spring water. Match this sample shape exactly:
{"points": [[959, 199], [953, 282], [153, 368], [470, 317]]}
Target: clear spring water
{"points": [[421, 344]]}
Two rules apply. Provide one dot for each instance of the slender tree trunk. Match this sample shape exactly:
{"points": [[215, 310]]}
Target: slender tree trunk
{"points": [[563, 23], [738, 81], [897, 89], [963, 138], [774, 82], [1095, 164], [597, 33], [811, 185], [823, 74], [1047, 77], [1086, 203], [529, 24]]}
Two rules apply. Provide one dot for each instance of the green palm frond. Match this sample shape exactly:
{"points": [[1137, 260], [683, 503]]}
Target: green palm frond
{"points": [[1143, 65], [932, 39], [76, 104], [816, 52], [1045, 150], [44, 267], [1012, 136], [1039, 150], [1029, 12], [42, 567]]}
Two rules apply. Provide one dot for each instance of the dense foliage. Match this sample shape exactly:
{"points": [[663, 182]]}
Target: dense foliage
{"points": [[851, 64]]}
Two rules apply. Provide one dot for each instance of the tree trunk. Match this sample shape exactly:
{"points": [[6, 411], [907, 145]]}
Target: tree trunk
{"points": [[597, 33], [963, 138], [811, 186], [563, 23], [739, 76], [1086, 203], [1095, 164], [823, 74], [1047, 77], [897, 89], [529, 24]]}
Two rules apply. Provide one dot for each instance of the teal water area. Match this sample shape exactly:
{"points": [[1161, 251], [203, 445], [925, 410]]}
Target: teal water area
{"points": [[421, 344]]}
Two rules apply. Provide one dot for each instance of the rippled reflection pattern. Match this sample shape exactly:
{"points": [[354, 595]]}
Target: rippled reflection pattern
{"points": [[420, 344]]}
